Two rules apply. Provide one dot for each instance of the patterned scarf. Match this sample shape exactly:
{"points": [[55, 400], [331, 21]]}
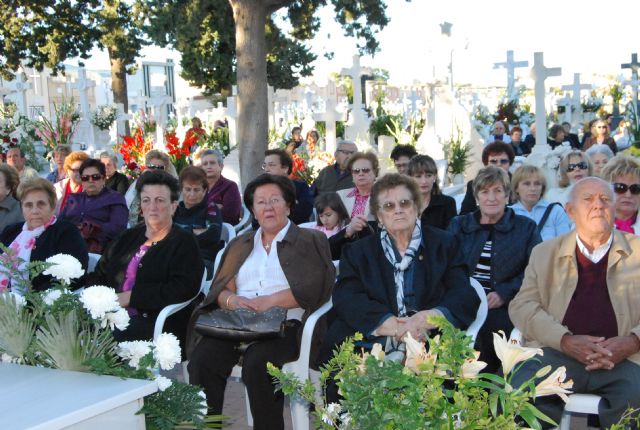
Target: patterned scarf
{"points": [[21, 250], [400, 266]]}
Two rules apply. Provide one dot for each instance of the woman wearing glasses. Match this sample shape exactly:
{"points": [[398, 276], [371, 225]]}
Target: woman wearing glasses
{"points": [[72, 183], [623, 173], [391, 281], [600, 135], [496, 244], [99, 212], [574, 166]]}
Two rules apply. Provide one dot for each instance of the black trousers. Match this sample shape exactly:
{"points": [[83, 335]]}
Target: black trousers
{"points": [[618, 387], [497, 319], [213, 360]]}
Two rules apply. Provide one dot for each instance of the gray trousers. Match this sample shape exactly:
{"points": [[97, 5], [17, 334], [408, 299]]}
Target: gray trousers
{"points": [[618, 387]]}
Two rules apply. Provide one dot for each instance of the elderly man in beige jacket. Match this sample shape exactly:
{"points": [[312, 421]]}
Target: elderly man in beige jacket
{"points": [[580, 302]]}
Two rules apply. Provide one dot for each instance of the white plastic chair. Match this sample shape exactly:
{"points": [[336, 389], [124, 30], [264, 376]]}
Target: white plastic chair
{"points": [[300, 368], [93, 262], [310, 224], [577, 404], [246, 218], [483, 310], [227, 233]]}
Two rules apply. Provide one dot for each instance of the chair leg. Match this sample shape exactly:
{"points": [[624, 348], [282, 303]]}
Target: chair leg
{"points": [[185, 371], [246, 403], [565, 422], [299, 413]]}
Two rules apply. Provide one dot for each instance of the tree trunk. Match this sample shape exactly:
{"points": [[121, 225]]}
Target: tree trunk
{"points": [[119, 83], [251, 69]]}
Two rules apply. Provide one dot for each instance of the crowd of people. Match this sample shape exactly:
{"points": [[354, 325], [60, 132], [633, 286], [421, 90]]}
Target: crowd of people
{"points": [[559, 263]]}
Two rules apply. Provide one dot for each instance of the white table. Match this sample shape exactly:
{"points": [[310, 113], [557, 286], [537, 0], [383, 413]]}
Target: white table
{"points": [[40, 398]]}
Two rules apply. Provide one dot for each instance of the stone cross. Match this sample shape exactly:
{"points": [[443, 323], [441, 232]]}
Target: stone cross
{"points": [[511, 65], [330, 116], [20, 87], [160, 113], [355, 72], [121, 119], [539, 72], [35, 76], [634, 66], [568, 103], [576, 88], [85, 128], [358, 123]]}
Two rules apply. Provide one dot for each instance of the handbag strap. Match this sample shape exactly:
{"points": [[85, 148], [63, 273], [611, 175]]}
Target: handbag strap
{"points": [[546, 214]]}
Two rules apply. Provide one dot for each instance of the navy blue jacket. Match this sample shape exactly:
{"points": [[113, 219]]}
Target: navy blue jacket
{"points": [[514, 237], [365, 291]]}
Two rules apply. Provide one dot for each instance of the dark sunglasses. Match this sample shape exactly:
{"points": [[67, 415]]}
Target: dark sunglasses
{"points": [[391, 206], [94, 177], [364, 170], [155, 167], [622, 188], [581, 165]]}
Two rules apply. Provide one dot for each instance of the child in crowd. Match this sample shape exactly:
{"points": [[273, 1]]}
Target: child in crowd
{"points": [[332, 215]]}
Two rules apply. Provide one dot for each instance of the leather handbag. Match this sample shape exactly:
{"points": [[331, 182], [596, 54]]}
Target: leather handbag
{"points": [[244, 325]]}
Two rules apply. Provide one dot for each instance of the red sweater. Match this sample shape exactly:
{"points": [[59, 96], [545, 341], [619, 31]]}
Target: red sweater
{"points": [[590, 311]]}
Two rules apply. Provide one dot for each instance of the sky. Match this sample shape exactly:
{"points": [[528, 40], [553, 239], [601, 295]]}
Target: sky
{"points": [[580, 37]]}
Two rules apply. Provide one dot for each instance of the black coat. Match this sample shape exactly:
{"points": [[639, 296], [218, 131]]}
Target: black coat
{"points": [[514, 237], [170, 272], [198, 217], [365, 291], [441, 210], [304, 203], [59, 238], [118, 182]]}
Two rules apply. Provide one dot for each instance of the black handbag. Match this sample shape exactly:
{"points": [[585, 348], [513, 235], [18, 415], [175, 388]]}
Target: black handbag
{"points": [[242, 324]]}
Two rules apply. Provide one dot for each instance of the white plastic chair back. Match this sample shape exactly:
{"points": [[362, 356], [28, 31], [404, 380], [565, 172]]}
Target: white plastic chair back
{"points": [[310, 224], [93, 262], [246, 216], [483, 310], [227, 233]]}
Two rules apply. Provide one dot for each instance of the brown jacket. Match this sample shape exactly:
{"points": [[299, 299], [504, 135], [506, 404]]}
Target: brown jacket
{"points": [[550, 281], [306, 262]]}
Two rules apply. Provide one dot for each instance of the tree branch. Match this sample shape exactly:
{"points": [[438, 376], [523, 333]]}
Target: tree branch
{"points": [[274, 5]]}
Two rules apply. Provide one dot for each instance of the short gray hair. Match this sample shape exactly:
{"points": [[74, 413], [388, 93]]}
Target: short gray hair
{"points": [[488, 176], [572, 189], [600, 149], [215, 153], [110, 155], [345, 142]]}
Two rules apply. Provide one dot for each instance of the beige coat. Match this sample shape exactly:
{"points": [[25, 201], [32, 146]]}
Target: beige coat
{"points": [[349, 202], [550, 281]]}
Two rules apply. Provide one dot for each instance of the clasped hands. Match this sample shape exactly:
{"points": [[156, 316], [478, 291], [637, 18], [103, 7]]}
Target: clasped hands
{"points": [[416, 324], [258, 304], [598, 352]]}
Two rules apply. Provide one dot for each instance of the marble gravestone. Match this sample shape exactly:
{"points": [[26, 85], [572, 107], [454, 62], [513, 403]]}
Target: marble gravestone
{"points": [[85, 133], [357, 127], [576, 88], [330, 116], [19, 87], [511, 65], [539, 72]]}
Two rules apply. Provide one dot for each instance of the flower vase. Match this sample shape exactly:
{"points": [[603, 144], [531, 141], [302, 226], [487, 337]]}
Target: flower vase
{"points": [[458, 179], [102, 138]]}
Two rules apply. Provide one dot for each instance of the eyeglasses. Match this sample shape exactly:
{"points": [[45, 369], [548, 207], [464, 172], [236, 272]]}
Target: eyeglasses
{"points": [[496, 161], [364, 170], [271, 202], [345, 152], [94, 177], [155, 166], [269, 165], [622, 188], [391, 206], [581, 165]]}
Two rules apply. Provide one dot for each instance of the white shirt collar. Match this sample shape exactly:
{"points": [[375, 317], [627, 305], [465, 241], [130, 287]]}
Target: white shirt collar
{"points": [[597, 253], [257, 239]]}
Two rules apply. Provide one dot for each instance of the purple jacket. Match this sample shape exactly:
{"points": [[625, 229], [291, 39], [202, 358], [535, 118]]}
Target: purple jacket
{"points": [[225, 192], [108, 210]]}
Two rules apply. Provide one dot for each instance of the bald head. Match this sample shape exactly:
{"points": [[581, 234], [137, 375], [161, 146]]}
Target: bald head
{"points": [[591, 206], [588, 183]]}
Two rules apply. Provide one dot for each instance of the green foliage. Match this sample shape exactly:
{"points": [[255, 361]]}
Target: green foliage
{"points": [[218, 138], [457, 154], [17, 327], [384, 124]]}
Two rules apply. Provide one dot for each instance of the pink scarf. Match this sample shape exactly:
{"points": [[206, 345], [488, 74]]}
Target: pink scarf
{"points": [[20, 255], [626, 225]]}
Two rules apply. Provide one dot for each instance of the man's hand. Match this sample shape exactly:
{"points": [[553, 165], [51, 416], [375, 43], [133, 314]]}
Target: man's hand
{"points": [[585, 349], [618, 349], [494, 300]]}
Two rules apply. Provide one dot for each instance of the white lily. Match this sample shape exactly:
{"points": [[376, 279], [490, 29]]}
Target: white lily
{"points": [[417, 354], [377, 351], [555, 384], [511, 353], [472, 366]]}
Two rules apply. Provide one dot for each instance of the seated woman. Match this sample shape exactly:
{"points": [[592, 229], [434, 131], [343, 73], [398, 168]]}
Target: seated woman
{"points": [[192, 214], [153, 264], [42, 235], [99, 212], [391, 281], [529, 185], [496, 244], [623, 172], [72, 183], [10, 211], [574, 166], [599, 155], [600, 134], [223, 193], [437, 209], [259, 271]]}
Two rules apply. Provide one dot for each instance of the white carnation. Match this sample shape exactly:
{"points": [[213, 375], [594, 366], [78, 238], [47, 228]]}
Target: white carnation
{"points": [[163, 383], [167, 351], [98, 300], [205, 407], [6, 358], [118, 319], [331, 413], [52, 295], [134, 351], [64, 268]]}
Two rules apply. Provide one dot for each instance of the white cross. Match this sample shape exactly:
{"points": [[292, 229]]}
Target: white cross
{"points": [[35, 77], [511, 65], [355, 72], [82, 84], [634, 66], [21, 86], [575, 88], [567, 103], [330, 116], [540, 73], [160, 113], [121, 119]]}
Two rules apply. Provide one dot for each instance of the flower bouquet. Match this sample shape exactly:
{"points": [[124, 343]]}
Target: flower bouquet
{"points": [[441, 388], [104, 116], [592, 103], [144, 122], [180, 152], [133, 149], [60, 130], [306, 167], [61, 329]]}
